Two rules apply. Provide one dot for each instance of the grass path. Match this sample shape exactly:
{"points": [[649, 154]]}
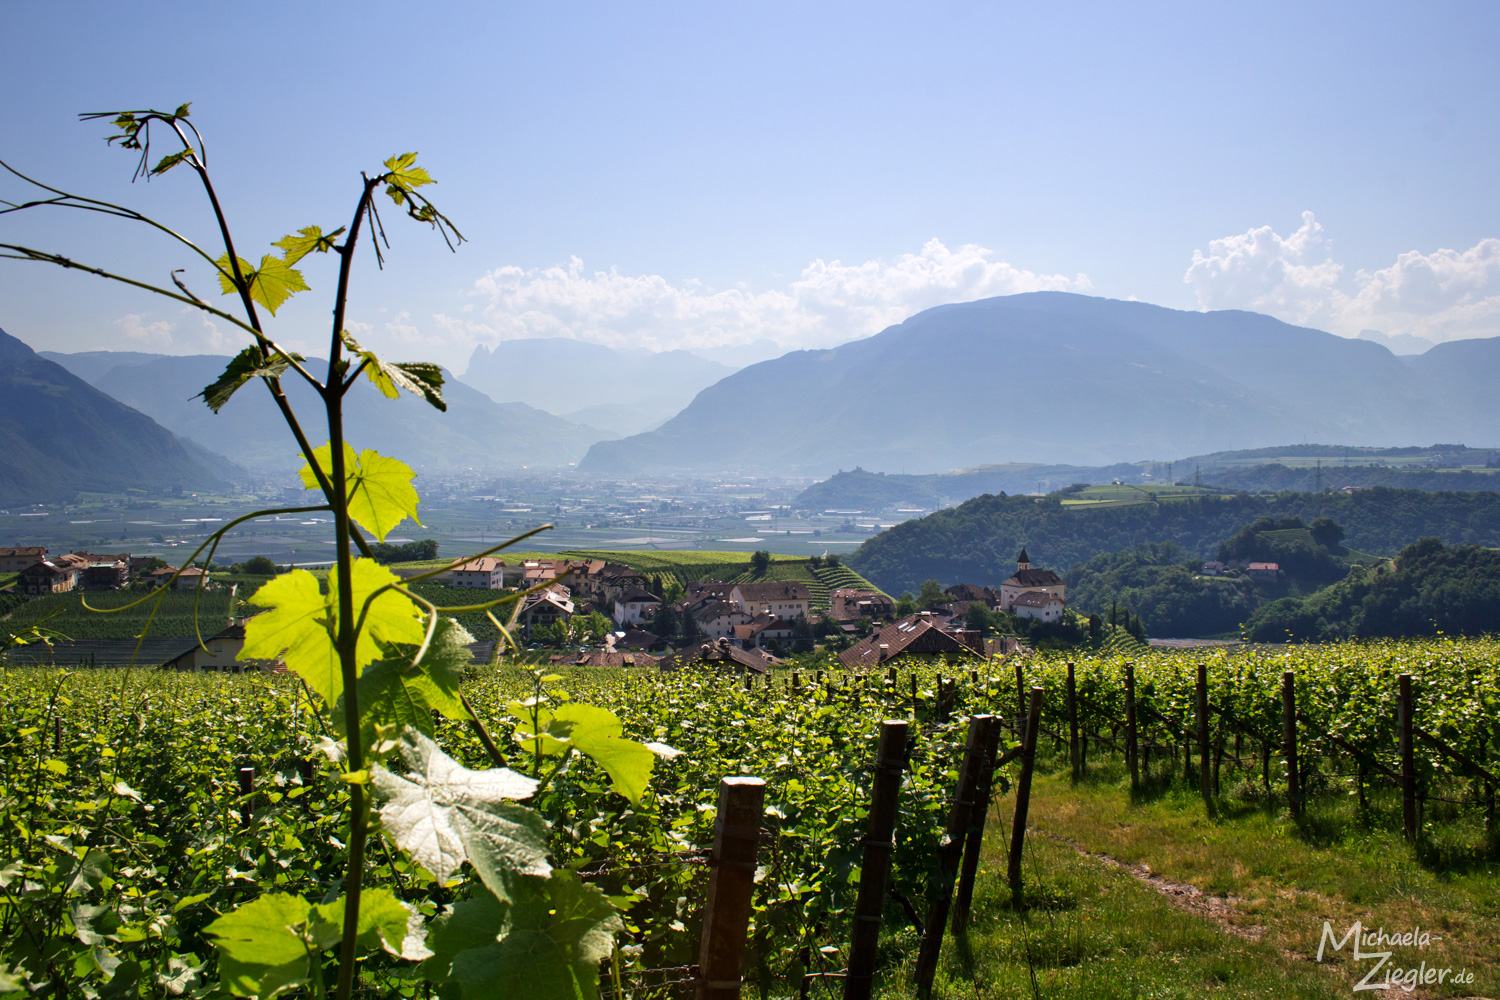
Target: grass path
{"points": [[1155, 900]]}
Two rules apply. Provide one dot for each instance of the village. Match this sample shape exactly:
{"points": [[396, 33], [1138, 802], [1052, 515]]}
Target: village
{"points": [[607, 614]]}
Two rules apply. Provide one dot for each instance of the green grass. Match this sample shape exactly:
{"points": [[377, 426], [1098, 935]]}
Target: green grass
{"points": [[1337, 864], [1093, 932]]}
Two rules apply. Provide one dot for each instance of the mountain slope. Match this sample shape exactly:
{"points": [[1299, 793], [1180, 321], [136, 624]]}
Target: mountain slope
{"points": [[59, 435], [564, 376], [476, 432], [1053, 377]]}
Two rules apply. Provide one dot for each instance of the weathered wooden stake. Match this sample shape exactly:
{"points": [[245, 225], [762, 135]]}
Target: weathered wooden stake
{"points": [[1073, 761], [1020, 702], [1289, 741], [1205, 779], [1408, 762], [951, 851], [963, 899], [247, 787], [1132, 749], [731, 883], [1023, 799], [875, 866]]}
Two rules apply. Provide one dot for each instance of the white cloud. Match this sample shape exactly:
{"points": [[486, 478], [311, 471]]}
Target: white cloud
{"points": [[196, 333], [1444, 295], [157, 334], [829, 303]]}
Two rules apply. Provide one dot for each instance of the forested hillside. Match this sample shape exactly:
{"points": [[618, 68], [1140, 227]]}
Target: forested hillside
{"points": [[977, 541], [1429, 589]]}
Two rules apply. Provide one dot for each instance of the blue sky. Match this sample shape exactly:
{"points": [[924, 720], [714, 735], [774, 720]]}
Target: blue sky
{"points": [[704, 175]]}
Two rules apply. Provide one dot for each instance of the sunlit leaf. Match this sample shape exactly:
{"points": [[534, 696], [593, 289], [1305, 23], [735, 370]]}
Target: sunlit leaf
{"points": [[303, 621], [250, 363], [394, 692], [380, 493], [305, 241], [270, 284], [420, 377], [443, 814], [403, 175], [595, 732], [262, 946]]}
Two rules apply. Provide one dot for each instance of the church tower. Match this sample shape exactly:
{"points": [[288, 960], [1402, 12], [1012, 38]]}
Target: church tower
{"points": [[1023, 561]]}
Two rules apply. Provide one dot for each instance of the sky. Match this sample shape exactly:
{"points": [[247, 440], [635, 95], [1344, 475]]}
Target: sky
{"points": [[746, 179]]}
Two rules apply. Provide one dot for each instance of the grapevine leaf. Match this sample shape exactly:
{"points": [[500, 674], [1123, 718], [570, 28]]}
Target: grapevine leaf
{"points": [[443, 814], [169, 161], [384, 922], [262, 946], [394, 692], [271, 284], [419, 377], [305, 241], [596, 732], [303, 622], [555, 933], [380, 494], [470, 924], [250, 363], [403, 176]]}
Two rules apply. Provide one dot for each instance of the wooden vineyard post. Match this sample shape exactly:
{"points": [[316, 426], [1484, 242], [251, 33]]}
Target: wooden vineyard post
{"points": [[1020, 703], [1023, 799], [246, 779], [1205, 781], [875, 865], [964, 898], [892, 677], [796, 682], [1408, 762], [950, 853], [731, 882], [1289, 741], [1073, 761], [1132, 750]]}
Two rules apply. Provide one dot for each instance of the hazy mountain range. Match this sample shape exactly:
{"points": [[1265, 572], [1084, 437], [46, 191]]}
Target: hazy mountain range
{"points": [[476, 432], [1053, 377], [1044, 379], [60, 435], [619, 391]]}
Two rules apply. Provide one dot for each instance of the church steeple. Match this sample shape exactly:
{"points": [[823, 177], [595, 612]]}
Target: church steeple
{"points": [[1023, 561]]}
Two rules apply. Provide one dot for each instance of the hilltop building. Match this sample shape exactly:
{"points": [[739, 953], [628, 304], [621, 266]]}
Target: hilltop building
{"points": [[1027, 579]]}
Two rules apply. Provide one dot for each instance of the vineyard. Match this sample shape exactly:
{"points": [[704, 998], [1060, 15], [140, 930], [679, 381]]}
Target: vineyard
{"points": [[138, 809]]}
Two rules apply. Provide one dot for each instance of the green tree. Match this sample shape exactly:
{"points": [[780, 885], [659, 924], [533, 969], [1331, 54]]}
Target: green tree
{"points": [[260, 566], [1327, 532], [760, 562], [803, 639], [666, 624], [932, 596], [691, 631], [905, 605]]}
